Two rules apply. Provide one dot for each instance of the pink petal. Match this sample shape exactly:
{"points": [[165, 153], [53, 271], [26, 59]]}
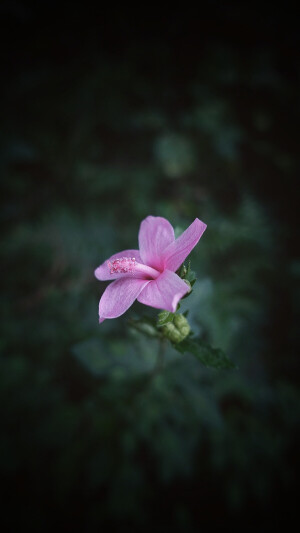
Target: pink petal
{"points": [[119, 296], [177, 251], [103, 273], [164, 292], [155, 234]]}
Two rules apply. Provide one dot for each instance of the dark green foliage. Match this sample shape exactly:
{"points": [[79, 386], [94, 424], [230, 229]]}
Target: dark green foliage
{"points": [[208, 356], [103, 427]]}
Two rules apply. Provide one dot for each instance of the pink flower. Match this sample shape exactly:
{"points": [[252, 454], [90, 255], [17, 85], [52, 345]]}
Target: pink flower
{"points": [[148, 274]]}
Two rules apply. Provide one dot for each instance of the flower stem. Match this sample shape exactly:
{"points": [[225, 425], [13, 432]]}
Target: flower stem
{"points": [[159, 365]]}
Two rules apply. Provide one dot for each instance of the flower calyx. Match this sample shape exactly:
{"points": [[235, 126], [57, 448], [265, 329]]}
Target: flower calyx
{"points": [[174, 327]]}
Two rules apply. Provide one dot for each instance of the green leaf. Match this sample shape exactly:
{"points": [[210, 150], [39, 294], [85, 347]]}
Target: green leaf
{"points": [[208, 356], [182, 271], [113, 359], [190, 274], [164, 317]]}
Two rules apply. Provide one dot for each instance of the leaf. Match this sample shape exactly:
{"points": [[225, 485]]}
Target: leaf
{"points": [[190, 274], [164, 317], [113, 359], [182, 271], [92, 354], [208, 356]]}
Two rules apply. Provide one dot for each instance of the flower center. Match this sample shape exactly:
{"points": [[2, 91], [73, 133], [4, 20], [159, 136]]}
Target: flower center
{"points": [[129, 265], [122, 265]]}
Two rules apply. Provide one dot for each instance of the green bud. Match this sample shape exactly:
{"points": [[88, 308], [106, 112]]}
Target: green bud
{"points": [[177, 330], [182, 271]]}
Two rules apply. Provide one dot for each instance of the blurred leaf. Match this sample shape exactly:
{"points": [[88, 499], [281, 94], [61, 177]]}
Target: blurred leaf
{"points": [[145, 326], [190, 275], [208, 356], [176, 154], [178, 230], [116, 359]]}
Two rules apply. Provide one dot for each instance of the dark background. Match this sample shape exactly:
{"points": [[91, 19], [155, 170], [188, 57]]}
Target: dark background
{"points": [[108, 116]]}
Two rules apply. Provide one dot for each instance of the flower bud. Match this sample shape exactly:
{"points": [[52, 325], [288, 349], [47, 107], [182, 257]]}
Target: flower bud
{"points": [[177, 330]]}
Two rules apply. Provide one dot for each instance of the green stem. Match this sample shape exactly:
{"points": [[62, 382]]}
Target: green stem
{"points": [[159, 365]]}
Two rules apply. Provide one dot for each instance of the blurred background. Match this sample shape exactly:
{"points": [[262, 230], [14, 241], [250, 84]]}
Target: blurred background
{"points": [[108, 117]]}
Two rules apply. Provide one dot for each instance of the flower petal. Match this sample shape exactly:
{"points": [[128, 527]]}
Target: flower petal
{"points": [[164, 292], [119, 296], [103, 273], [155, 234], [177, 251]]}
